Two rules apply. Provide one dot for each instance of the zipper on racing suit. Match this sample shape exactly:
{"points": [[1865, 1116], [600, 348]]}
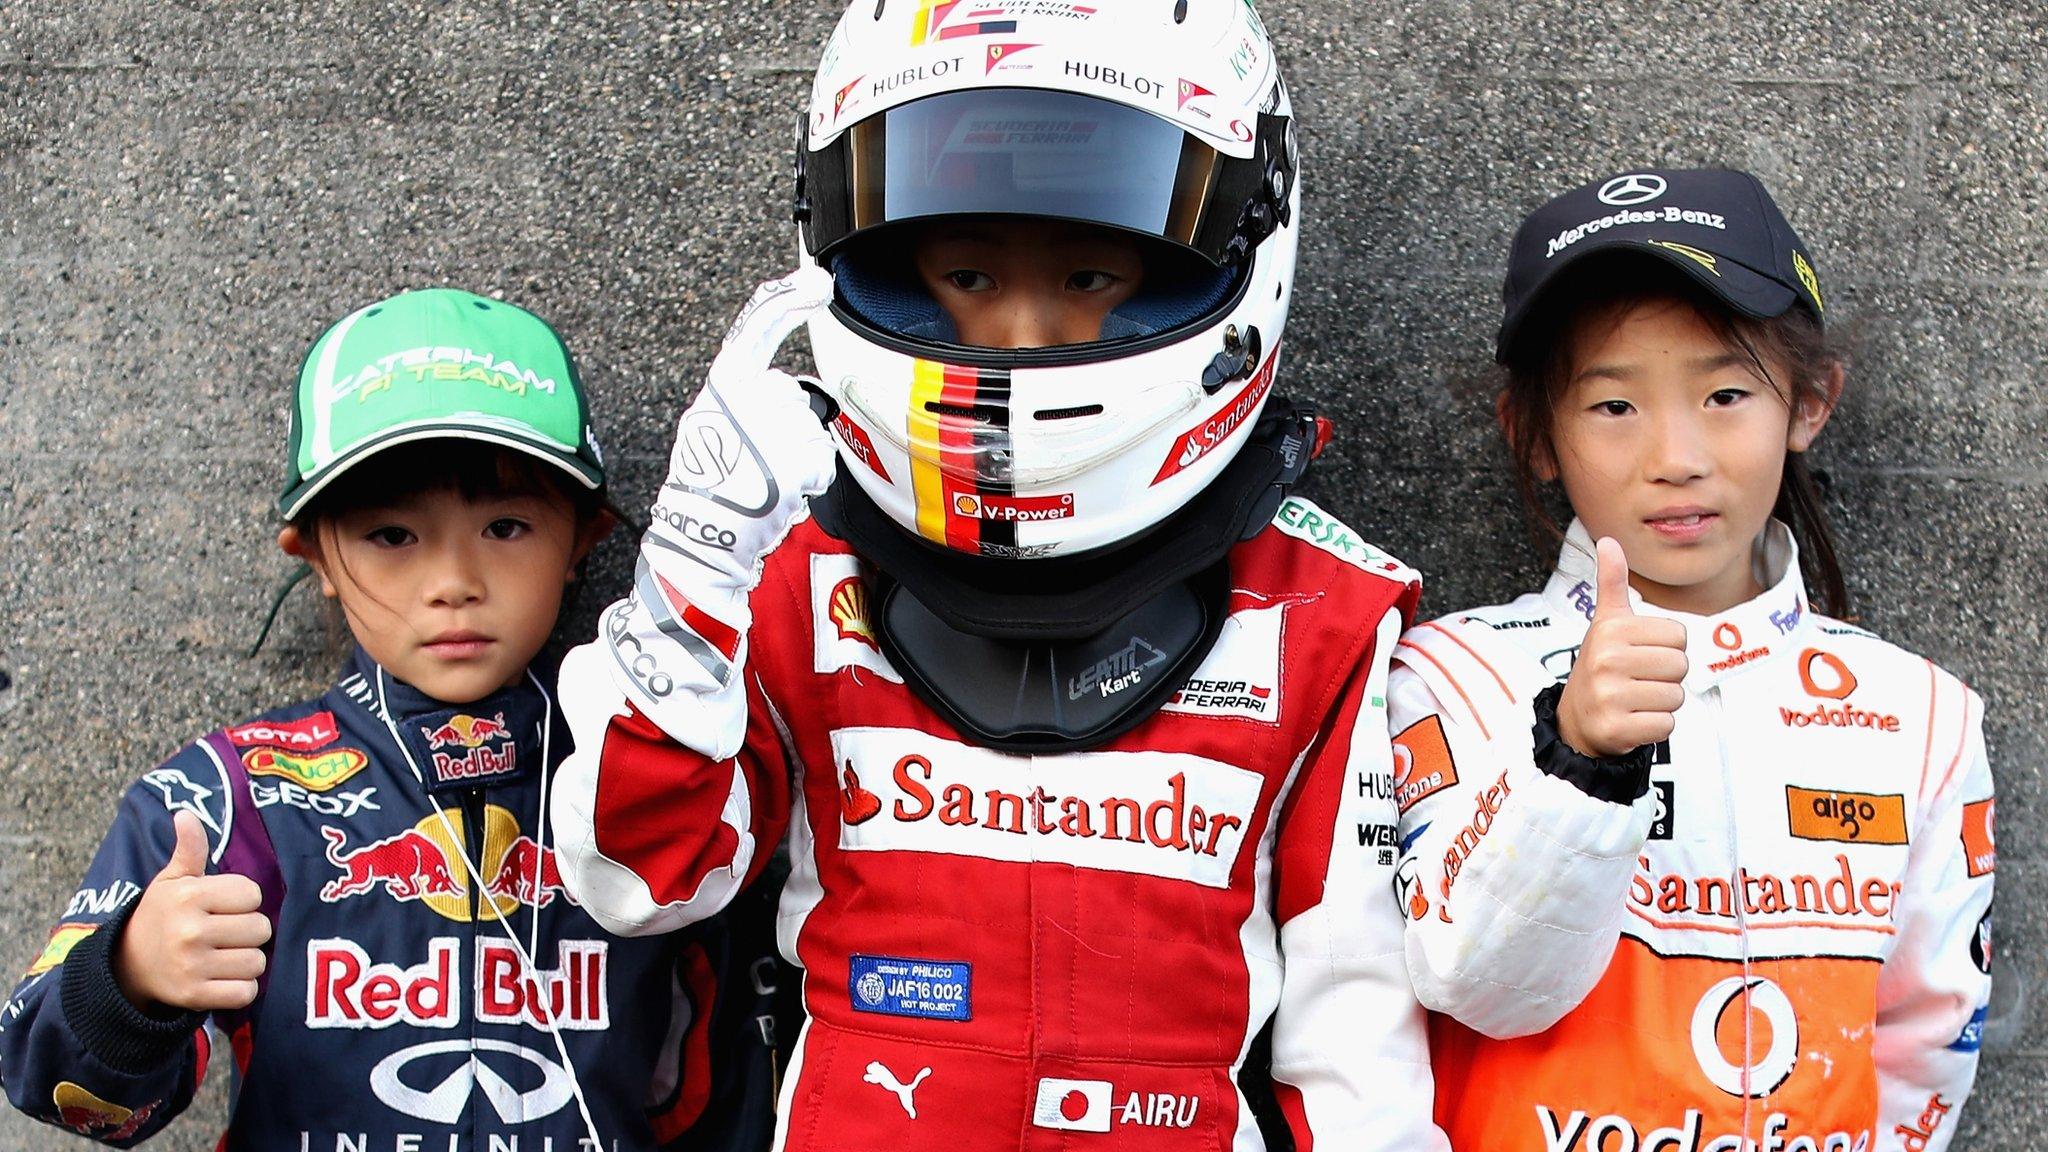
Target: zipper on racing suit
{"points": [[473, 831], [1732, 824]]}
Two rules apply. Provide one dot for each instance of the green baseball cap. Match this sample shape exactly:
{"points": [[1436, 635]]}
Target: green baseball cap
{"points": [[436, 364]]}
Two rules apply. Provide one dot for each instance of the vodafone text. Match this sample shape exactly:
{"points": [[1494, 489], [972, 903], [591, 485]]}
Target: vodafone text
{"points": [[1578, 1133]]}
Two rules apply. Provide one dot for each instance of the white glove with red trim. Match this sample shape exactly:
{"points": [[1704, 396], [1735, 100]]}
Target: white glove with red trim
{"points": [[749, 455], [749, 452]]}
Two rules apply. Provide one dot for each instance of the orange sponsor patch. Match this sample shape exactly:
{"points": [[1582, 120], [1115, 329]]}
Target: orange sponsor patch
{"points": [[1845, 817], [1422, 762], [1979, 847]]}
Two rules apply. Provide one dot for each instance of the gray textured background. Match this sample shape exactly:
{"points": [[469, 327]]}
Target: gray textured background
{"points": [[190, 190]]}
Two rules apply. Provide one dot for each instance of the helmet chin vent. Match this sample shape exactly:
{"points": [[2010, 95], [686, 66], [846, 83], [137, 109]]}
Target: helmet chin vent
{"points": [[986, 413], [1074, 413]]}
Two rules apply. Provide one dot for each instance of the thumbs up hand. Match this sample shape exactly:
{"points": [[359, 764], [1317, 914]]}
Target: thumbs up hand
{"points": [[1625, 689], [194, 941]]}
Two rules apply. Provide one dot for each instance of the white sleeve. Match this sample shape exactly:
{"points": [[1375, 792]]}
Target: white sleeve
{"points": [[1514, 882], [1350, 1046], [1934, 988]]}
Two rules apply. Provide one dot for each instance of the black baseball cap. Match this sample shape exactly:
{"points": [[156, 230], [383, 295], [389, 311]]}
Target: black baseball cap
{"points": [[1717, 225]]}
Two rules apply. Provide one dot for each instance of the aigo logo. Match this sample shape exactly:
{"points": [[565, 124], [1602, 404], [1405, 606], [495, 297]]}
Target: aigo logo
{"points": [[1734, 1005]]}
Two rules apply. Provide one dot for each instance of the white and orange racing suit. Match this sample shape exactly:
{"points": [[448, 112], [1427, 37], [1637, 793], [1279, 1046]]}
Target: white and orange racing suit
{"points": [[1783, 942]]}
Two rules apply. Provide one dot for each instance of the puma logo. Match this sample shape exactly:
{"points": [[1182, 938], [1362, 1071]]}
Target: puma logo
{"points": [[878, 1073]]}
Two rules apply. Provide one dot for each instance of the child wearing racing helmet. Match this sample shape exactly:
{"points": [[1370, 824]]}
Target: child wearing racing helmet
{"points": [[1691, 863], [1073, 846], [358, 893]]}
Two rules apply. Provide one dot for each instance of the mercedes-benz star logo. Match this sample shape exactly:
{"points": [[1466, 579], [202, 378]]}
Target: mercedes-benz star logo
{"points": [[1634, 188], [444, 1103]]}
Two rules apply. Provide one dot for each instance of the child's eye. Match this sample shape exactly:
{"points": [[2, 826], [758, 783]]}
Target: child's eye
{"points": [[389, 536], [1614, 407], [1723, 397], [1090, 281], [968, 280], [506, 528]]}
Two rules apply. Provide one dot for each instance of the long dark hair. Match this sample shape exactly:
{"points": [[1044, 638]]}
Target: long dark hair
{"points": [[1601, 290]]}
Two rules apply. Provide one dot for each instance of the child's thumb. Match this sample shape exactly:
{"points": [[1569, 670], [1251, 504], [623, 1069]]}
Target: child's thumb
{"points": [[189, 857], [1611, 598]]}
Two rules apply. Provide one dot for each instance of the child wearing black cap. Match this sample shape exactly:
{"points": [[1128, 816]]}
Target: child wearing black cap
{"points": [[1688, 862]]}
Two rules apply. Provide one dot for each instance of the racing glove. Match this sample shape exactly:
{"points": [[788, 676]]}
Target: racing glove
{"points": [[749, 454]]}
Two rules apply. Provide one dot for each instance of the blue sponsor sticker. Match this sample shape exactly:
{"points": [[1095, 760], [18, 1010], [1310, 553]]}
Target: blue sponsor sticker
{"points": [[899, 986], [1973, 1033]]}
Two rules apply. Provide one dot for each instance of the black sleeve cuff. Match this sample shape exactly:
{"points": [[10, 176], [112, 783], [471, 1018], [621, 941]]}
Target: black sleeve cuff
{"points": [[1616, 779], [124, 1037]]}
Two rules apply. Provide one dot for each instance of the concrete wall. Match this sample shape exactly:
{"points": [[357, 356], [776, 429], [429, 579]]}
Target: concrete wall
{"points": [[190, 191]]}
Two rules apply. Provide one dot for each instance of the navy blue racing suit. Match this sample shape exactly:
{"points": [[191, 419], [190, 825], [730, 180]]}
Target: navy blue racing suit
{"points": [[397, 1009]]}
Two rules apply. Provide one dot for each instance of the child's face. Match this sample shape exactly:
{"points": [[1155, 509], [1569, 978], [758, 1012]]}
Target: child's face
{"points": [[1666, 440], [1010, 285], [453, 597]]}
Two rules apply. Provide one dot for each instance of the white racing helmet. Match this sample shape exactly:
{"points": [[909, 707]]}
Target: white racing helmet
{"points": [[1167, 121]]}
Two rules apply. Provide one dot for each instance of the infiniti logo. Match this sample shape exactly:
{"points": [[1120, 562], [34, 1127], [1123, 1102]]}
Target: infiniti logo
{"points": [[445, 1102], [1635, 188]]}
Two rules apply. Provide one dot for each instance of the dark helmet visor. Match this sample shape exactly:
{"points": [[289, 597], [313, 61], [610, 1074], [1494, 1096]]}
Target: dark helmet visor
{"points": [[1028, 152]]}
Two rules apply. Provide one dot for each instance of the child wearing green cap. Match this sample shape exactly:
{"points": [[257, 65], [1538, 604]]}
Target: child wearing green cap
{"points": [[358, 893]]}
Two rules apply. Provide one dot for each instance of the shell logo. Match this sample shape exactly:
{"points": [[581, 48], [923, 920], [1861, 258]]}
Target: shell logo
{"points": [[966, 505], [1841, 681], [849, 612]]}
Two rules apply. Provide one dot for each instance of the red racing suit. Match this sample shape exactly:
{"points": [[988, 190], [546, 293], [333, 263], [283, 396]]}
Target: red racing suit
{"points": [[1062, 951], [1802, 898]]}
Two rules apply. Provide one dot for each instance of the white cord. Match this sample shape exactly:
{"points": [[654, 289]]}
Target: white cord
{"points": [[542, 1004]]}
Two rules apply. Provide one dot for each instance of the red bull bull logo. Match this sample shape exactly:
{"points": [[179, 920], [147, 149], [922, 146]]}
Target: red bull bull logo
{"points": [[82, 1112], [463, 731], [409, 865], [424, 863], [488, 751]]}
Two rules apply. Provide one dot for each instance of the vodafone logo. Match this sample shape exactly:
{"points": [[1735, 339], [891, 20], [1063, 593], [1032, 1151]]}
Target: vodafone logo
{"points": [[1735, 1014], [1823, 674]]}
